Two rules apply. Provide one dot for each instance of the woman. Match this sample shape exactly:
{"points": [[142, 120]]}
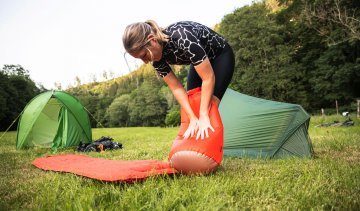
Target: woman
{"points": [[210, 57]]}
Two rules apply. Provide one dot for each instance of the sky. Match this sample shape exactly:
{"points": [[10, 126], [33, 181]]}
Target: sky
{"points": [[59, 40]]}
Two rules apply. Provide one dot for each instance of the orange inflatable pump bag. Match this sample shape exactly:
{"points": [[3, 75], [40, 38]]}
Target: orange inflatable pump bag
{"points": [[202, 156]]}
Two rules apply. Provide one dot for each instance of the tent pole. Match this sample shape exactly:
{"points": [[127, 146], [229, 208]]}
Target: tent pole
{"points": [[10, 126], [94, 118]]}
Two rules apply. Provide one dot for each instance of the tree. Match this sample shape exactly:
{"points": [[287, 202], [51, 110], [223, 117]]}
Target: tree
{"points": [[147, 106], [15, 70], [93, 77], [4, 97], [173, 117], [16, 90], [324, 49], [118, 113], [77, 81], [337, 76], [264, 64], [337, 20], [58, 85], [105, 75]]}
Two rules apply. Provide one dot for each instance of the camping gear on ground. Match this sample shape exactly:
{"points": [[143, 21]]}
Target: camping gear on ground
{"points": [[104, 169], [255, 127], [348, 122], [99, 145], [191, 156], [53, 119], [190, 151]]}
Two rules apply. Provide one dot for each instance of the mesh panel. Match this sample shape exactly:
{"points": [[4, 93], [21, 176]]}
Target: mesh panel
{"points": [[45, 127]]}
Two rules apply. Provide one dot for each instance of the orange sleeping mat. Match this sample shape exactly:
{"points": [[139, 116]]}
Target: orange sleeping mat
{"points": [[104, 169], [188, 156]]}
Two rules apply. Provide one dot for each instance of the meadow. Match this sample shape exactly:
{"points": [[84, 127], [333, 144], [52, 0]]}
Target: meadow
{"points": [[330, 180]]}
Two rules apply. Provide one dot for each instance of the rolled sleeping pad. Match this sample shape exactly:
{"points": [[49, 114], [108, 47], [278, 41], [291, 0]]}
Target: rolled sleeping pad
{"points": [[202, 156]]}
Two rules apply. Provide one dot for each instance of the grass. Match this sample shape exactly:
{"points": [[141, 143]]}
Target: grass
{"points": [[329, 181]]}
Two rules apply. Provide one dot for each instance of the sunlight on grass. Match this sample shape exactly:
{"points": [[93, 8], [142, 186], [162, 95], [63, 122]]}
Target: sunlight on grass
{"points": [[329, 181]]}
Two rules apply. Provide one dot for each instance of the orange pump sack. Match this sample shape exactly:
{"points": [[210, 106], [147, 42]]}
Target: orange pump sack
{"points": [[191, 156]]}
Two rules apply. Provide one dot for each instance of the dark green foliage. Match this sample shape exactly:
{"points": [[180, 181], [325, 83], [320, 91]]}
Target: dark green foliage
{"points": [[264, 61], [337, 75], [292, 55], [118, 111], [328, 54], [93, 103], [16, 90], [173, 117], [147, 106], [138, 99], [4, 95]]}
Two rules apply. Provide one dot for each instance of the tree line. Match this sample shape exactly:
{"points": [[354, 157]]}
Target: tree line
{"points": [[16, 90], [301, 51], [140, 98], [305, 52]]}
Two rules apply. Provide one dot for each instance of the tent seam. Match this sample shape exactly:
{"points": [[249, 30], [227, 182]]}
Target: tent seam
{"points": [[73, 115], [288, 136]]}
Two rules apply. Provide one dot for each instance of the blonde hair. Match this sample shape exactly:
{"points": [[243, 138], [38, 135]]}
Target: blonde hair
{"points": [[136, 35]]}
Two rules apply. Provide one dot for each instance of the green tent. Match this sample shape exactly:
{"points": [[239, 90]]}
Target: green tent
{"points": [[53, 119], [255, 127]]}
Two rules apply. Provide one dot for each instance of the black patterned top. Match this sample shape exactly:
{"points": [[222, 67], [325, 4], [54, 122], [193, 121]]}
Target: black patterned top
{"points": [[189, 43]]}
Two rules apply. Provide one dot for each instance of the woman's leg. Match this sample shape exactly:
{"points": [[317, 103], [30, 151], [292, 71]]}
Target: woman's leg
{"points": [[193, 79], [223, 67]]}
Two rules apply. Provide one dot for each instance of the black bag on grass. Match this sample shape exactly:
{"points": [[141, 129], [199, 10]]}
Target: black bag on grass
{"points": [[102, 144]]}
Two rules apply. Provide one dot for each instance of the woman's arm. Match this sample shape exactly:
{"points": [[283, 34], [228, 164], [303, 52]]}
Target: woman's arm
{"points": [[181, 96], [179, 92], [201, 124], [206, 73]]}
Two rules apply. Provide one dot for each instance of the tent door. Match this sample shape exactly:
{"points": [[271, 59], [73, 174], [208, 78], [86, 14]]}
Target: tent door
{"points": [[61, 134], [46, 125]]}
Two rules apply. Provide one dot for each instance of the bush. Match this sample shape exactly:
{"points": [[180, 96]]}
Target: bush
{"points": [[173, 117]]}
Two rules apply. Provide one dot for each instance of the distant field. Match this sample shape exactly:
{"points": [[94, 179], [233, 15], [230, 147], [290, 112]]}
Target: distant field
{"points": [[329, 181]]}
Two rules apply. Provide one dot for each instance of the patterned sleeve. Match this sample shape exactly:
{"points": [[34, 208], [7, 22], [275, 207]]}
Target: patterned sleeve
{"points": [[162, 67], [191, 45]]}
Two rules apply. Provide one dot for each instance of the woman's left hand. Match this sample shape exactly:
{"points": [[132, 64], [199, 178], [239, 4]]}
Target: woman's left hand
{"points": [[203, 126]]}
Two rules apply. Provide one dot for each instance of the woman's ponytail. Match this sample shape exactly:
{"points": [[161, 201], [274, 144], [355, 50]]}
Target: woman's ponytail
{"points": [[157, 31]]}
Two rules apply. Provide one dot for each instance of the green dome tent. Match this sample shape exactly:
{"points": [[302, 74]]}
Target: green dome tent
{"points": [[255, 127], [53, 119]]}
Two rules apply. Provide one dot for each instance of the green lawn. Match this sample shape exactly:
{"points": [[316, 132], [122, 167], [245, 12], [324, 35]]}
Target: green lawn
{"points": [[329, 181]]}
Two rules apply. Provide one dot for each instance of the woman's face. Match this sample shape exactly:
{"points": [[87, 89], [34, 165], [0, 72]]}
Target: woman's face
{"points": [[149, 53]]}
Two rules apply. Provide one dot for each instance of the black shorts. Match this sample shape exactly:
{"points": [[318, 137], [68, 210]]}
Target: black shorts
{"points": [[223, 66]]}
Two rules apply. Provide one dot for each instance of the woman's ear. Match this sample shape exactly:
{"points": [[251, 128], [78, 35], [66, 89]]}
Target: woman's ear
{"points": [[150, 36]]}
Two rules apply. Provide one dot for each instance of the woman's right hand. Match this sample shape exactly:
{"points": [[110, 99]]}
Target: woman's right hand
{"points": [[192, 129]]}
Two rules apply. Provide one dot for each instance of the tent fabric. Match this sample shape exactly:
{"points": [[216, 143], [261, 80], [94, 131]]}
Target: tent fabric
{"points": [[259, 128], [53, 119], [104, 169]]}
